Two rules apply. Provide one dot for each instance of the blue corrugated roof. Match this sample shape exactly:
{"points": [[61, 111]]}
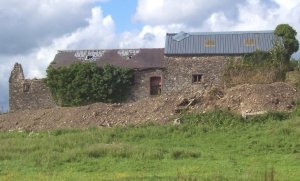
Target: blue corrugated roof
{"points": [[220, 43]]}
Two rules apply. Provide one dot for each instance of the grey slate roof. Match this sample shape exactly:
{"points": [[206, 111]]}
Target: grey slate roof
{"points": [[219, 43], [130, 58]]}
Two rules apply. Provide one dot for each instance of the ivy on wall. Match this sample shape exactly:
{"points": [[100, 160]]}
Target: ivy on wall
{"points": [[85, 83]]}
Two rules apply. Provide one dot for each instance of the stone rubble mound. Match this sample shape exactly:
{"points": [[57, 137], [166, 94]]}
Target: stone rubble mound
{"points": [[244, 99], [247, 98]]}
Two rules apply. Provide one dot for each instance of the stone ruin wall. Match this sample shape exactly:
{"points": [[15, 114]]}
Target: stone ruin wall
{"points": [[25, 94], [176, 77]]}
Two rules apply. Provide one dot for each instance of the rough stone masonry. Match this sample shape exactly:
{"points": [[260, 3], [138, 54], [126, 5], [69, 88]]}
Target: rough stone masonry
{"points": [[175, 77], [27, 94], [189, 62]]}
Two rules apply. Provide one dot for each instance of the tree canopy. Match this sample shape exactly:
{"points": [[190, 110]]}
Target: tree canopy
{"points": [[289, 37]]}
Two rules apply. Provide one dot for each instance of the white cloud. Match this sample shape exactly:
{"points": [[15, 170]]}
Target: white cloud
{"points": [[189, 12], [200, 15], [99, 33], [256, 16], [25, 26], [148, 37]]}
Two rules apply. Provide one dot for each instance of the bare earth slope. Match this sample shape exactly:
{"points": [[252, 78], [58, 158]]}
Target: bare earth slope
{"points": [[242, 99], [277, 96]]}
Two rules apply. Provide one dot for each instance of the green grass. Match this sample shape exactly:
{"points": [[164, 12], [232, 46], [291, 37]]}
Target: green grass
{"points": [[215, 146]]}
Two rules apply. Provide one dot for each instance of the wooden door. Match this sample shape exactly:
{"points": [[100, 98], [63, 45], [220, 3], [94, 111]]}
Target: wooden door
{"points": [[155, 85]]}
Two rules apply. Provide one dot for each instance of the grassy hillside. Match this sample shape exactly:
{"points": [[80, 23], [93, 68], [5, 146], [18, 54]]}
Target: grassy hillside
{"points": [[213, 146]]}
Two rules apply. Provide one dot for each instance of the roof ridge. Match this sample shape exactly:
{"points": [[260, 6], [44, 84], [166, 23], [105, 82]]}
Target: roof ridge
{"points": [[225, 32], [74, 50]]}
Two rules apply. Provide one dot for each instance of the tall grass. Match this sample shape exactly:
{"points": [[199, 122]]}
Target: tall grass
{"points": [[216, 145]]}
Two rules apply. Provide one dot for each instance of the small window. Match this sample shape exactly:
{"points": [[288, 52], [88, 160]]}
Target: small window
{"points": [[197, 78], [248, 42], [89, 57], [26, 87], [210, 43]]}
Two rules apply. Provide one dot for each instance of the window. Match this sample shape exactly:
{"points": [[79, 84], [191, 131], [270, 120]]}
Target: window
{"points": [[210, 43], [197, 78], [248, 42], [26, 87]]}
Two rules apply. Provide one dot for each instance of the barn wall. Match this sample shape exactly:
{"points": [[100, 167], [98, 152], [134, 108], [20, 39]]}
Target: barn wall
{"points": [[180, 70], [177, 76]]}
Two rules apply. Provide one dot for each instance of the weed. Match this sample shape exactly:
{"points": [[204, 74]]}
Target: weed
{"points": [[269, 175]]}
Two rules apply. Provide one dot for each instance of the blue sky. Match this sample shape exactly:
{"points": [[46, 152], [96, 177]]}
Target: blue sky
{"points": [[33, 30]]}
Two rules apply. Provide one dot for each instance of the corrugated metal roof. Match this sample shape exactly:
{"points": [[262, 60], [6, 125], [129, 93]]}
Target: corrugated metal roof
{"points": [[221, 43], [130, 58]]}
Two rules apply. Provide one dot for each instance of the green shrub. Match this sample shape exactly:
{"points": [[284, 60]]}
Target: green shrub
{"points": [[257, 57], [85, 83], [257, 67]]}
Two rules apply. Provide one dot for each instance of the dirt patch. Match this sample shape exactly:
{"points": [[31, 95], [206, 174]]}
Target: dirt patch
{"points": [[247, 98], [159, 109], [243, 99]]}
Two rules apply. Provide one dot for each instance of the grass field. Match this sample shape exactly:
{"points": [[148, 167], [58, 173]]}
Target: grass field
{"points": [[216, 146]]}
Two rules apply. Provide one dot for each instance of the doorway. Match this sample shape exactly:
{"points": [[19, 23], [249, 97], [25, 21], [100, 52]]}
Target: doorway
{"points": [[155, 85]]}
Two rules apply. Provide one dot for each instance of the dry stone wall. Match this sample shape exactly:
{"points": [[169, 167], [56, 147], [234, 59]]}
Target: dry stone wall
{"points": [[27, 94], [177, 76], [180, 70]]}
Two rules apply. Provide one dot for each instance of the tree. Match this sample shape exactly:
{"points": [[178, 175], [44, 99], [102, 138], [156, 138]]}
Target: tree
{"points": [[288, 34]]}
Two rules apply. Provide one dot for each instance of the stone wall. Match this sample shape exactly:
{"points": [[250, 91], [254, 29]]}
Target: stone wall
{"points": [[141, 88], [177, 76], [180, 70], [27, 94]]}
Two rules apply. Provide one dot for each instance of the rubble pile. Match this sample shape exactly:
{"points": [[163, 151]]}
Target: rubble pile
{"points": [[244, 99], [247, 98]]}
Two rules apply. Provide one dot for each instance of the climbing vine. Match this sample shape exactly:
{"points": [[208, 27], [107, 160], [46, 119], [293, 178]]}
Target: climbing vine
{"points": [[85, 83]]}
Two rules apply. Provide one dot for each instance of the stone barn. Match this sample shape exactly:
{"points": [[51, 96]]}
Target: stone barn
{"points": [[189, 62]]}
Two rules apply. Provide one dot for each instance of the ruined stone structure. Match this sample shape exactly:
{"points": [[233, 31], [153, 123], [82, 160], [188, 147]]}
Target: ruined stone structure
{"points": [[189, 62], [26, 93]]}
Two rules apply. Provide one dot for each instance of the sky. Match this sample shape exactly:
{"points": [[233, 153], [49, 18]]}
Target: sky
{"points": [[32, 31]]}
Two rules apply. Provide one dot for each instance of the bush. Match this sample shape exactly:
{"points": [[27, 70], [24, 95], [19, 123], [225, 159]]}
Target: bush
{"points": [[85, 83], [257, 67], [294, 65], [257, 57]]}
